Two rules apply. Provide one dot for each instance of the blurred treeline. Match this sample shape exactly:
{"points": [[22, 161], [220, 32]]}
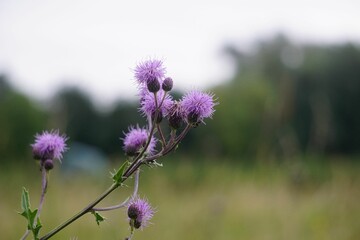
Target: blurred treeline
{"points": [[284, 100]]}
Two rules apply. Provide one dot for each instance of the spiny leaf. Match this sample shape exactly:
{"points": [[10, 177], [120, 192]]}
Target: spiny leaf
{"points": [[29, 214], [117, 175], [32, 215]]}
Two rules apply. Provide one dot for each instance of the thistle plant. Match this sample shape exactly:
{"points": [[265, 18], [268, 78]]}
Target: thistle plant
{"points": [[143, 146]]}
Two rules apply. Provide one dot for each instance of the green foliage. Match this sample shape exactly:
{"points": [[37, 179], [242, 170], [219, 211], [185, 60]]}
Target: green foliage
{"points": [[83, 122], [20, 119], [237, 126], [198, 200], [117, 175], [284, 99], [98, 217], [29, 214]]}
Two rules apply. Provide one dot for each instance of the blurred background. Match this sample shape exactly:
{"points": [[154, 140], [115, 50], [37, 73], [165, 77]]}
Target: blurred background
{"points": [[279, 159]]}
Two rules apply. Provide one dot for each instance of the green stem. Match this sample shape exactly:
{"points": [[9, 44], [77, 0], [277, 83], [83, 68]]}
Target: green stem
{"points": [[123, 204]]}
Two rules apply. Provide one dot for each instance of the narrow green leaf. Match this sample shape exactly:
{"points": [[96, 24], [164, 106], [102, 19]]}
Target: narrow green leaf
{"points": [[98, 217], [25, 200], [118, 174], [25, 206]]}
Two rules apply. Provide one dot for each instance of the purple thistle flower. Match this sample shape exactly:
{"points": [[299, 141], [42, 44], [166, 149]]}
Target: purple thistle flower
{"points": [[149, 70], [135, 139], [49, 145], [139, 212], [197, 105], [147, 102]]}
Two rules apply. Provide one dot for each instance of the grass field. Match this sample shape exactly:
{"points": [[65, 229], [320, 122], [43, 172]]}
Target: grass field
{"points": [[201, 201]]}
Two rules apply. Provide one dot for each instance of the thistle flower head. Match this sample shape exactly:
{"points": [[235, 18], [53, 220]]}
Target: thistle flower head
{"points": [[148, 104], [149, 70], [197, 105], [139, 212], [49, 145], [135, 139]]}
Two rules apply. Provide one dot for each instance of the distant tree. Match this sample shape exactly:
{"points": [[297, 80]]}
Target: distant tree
{"points": [[83, 122], [20, 119], [287, 98]]}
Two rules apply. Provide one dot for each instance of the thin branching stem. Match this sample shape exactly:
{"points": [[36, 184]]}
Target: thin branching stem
{"points": [[26, 234], [177, 140], [163, 141], [138, 161], [87, 209], [124, 203], [172, 136], [121, 205], [136, 183], [44, 183]]}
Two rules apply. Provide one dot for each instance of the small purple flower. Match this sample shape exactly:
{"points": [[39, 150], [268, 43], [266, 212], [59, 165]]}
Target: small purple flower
{"points": [[149, 70], [49, 145], [197, 105], [135, 139], [148, 105], [139, 212]]}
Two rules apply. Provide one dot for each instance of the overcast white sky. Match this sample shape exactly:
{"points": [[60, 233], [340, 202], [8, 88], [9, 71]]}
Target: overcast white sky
{"points": [[95, 44]]}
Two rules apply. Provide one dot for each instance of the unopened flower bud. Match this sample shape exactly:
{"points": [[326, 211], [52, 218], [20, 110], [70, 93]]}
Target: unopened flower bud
{"points": [[175, 121], [175, 115], [137, 224], [167, 85], [133, 211], [36, 154], [131, 150], [193, 117], [48, 164], [153, 85]]}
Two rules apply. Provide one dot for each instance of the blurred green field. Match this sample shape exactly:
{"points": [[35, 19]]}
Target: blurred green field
{"points": [[202, 201]]}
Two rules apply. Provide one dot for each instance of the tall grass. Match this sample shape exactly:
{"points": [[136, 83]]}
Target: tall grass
{"points": [[201, 201]]}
